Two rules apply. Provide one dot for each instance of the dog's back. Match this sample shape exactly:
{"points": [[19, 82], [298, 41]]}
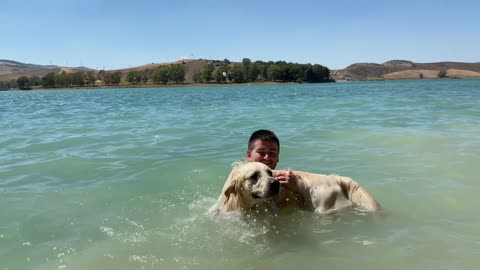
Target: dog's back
{"points": [[323, 193]]}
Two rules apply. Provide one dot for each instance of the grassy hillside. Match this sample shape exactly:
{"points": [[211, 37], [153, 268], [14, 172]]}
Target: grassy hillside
{"points": [[193, 66], [401, 69], [391, 70], [12, 70]]}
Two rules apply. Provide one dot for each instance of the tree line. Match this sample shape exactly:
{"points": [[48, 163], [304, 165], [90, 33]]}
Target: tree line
{"points": [[173, 74], [259, 71], [65, 79], [212, 72], [163, 75]]}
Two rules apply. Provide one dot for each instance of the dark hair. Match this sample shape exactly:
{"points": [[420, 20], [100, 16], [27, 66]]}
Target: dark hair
{"points": [[264, 135]]}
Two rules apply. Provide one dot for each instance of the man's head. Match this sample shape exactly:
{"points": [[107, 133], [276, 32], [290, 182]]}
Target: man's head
{"points": [[264, 147]]}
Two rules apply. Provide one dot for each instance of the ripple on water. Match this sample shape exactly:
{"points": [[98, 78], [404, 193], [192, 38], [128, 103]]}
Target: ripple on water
{"points": [[125, 177]]}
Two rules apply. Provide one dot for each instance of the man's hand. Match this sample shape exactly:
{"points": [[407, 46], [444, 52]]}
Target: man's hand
{"points": [[287, 179]]}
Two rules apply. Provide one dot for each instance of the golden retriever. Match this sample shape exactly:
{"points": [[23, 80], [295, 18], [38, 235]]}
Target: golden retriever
{"points": [[252, 188]]}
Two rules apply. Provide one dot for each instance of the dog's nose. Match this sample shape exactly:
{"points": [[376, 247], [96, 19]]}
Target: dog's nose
{"points": [[274, 187]]}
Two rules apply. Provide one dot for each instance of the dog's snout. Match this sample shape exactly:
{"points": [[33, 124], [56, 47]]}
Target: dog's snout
{"points": [[275, 187]]}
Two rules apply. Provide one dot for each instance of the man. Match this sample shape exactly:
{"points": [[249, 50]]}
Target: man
{"points": [[264, 147]]}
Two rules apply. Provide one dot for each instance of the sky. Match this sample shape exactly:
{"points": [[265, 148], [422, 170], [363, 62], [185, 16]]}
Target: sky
{"points": [[113, 34]]}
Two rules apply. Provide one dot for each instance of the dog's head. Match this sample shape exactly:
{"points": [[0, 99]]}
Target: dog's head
{"points": [[253, 182]]}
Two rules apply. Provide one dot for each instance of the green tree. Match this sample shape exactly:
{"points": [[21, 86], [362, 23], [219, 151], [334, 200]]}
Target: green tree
{"points": [[75, 79], [275, 73], [237, 73], [133, 77], [308, 73], [23, 83], [6, 85], [442, 73], [197, 77], [177, 73], [207, 73], [35, 81], [48, 81], [247, 66], [106, 77], [317, 73], [144, 76], [101, 75], [89, 78], [223, 72], [254, 72], [294, 73], [160, 76], [61, 79], [261, 68], [218, 76], [116, 78]]}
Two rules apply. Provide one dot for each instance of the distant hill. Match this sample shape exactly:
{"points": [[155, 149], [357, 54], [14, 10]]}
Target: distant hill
{"points": [[193, 66], [390, 70], [12, 69], [403, 69]]}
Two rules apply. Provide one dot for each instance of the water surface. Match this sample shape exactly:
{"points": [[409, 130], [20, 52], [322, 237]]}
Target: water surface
{"points": [[123, 178]]}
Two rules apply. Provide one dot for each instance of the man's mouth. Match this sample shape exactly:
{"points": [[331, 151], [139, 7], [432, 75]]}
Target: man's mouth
{"points": [[267, 163]]}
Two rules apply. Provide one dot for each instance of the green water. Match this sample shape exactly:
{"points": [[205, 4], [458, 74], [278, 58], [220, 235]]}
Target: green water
{"points": [[123, 178]]}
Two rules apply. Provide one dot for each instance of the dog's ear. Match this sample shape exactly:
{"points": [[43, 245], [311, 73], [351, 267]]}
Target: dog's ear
{"points": [[232, 188], [233, 185]]}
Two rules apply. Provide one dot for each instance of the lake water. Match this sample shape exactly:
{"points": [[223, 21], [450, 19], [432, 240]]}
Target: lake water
{"points": [[123, 178]]}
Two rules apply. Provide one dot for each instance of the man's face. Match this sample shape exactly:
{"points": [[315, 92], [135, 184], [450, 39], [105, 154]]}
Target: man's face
{"points": [[265, 152]]}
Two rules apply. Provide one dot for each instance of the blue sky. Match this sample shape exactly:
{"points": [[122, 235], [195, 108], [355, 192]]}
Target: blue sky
{"points": [[114, 34]]}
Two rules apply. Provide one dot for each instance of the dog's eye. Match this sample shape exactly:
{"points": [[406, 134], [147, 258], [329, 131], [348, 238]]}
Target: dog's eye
{"points": [[255, 176]]}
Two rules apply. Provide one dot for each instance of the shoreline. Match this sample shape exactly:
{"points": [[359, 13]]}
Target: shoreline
{"points": [[224, 85], [155, 86]]}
